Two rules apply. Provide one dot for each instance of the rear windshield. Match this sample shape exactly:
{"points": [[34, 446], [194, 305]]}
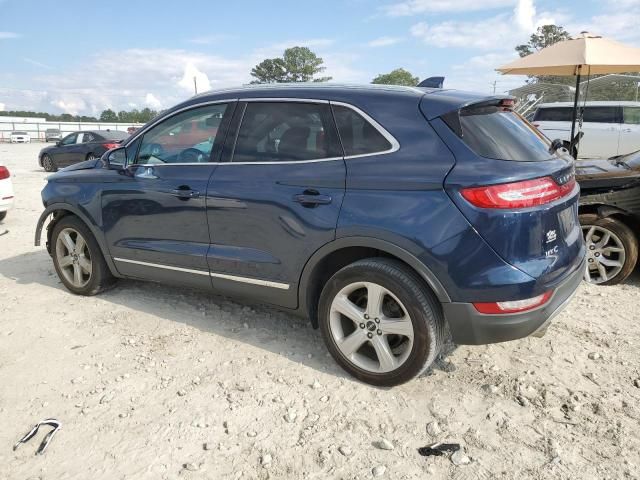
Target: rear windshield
{"points": [[113, 135], [53, 130], [495, 132]]}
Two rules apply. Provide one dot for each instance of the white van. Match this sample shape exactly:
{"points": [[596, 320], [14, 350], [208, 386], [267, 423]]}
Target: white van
{"points": [[610, 127]]}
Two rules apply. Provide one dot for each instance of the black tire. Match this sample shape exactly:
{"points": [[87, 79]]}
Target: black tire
{"points": [[3, 215], [100, 278], [628, 239], [48, 164], [422, 307], [91, 156], [573, 151]]}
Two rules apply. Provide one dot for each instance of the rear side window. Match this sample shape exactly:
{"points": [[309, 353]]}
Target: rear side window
{"points": [[600, 115], [495, 132], [286, 132], [359, 136], [632, 115], [553, 114]]}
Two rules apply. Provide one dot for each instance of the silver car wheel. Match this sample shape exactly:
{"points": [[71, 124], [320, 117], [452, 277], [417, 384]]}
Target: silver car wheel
{"points": [[74, 258], [605, 254], [371, 327]]}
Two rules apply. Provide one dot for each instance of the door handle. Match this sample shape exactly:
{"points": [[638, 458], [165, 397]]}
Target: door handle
{"points": [[185, 193], [312, 198]]}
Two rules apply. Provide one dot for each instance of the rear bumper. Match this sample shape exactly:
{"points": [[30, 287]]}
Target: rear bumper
{"points": [[470, 327]]}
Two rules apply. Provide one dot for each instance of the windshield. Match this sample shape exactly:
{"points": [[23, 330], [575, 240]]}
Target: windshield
{"points": [[19, 133]]}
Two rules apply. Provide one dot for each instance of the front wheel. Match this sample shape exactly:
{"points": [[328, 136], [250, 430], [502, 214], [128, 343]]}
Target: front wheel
{"points": [[612, 249], [379, 322], [78, 259]]}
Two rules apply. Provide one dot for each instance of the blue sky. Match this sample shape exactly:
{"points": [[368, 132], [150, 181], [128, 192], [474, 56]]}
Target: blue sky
{"points": [[81, 57]]}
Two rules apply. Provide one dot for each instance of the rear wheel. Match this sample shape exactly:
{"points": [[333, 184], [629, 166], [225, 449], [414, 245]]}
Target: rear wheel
{"points": [[78, 259], [612, 249], [48, 163], [91, 156], [379, 322]]}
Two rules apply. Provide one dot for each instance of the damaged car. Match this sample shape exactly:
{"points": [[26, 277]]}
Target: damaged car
{"points": [[610, 216]]}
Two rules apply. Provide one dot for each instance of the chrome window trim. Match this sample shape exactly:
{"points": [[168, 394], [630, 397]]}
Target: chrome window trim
{"points": [[284, 99], [395, 145], [235, 278]]}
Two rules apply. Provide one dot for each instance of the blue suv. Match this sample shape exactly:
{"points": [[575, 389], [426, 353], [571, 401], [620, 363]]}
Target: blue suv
{"points": [[391, 217]]}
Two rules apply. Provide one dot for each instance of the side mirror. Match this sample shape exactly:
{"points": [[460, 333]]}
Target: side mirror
{"points": [[59, 143], [115, 159]]}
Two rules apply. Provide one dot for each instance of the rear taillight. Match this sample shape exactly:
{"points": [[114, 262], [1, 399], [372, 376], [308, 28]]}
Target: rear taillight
{"points": [[109, 146], [529, 193], [4, 173], [536, 125], [513, 306]]}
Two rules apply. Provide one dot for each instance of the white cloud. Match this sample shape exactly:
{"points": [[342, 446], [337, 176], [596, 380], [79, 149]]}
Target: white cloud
{"points": [[117, 79], [8, 35], [503, 31], [70, 104], [36, 63], [210, 39], [152, 102], [617, 26], [415, 7], [193, 74], [384, 41]]}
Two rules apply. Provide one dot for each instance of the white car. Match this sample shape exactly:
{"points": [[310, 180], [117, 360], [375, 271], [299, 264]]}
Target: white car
{"points": [[610, 127], [6, 191], [20, 137]]}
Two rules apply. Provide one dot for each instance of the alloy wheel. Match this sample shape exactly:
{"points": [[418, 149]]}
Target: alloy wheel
{"points": [[605, 254], [74, 257], [371, 327]]}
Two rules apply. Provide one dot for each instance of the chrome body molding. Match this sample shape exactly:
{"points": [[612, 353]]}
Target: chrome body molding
{"points": [[234, 278]]}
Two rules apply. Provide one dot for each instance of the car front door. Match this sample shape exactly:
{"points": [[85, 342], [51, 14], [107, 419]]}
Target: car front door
{"points": [[154, 216], [601, 127], [275, 198], [630, 133], [61, 154]]}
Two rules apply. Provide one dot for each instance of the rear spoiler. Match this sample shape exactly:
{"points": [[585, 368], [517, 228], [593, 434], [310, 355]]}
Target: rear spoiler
{"points": [[440, 102]]}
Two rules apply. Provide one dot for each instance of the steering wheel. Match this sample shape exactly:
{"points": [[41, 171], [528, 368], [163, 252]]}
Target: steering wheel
{"points": [[192, 155]]}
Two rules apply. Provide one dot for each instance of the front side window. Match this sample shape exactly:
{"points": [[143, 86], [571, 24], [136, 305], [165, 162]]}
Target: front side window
{"points": [[358, 136], [188, 137], [632, 115], [600, 115], [285, 132], [69, 139]]}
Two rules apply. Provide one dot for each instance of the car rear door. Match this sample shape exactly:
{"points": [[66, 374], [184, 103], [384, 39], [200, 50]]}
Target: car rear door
{"points": [[154, 216], [275, 198], [630, 131], [601, 127]]}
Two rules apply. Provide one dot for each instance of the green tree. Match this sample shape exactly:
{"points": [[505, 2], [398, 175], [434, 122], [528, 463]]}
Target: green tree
{"points": [[297, 64], [399, 76], [108, 115], [545, 36]]}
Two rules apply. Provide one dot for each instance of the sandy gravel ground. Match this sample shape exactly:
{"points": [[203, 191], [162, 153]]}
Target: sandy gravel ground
{"points": [[153, 382]]}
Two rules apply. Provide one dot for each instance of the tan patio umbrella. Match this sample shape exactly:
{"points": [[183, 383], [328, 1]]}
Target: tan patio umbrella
{"points": [[586, 54]]}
